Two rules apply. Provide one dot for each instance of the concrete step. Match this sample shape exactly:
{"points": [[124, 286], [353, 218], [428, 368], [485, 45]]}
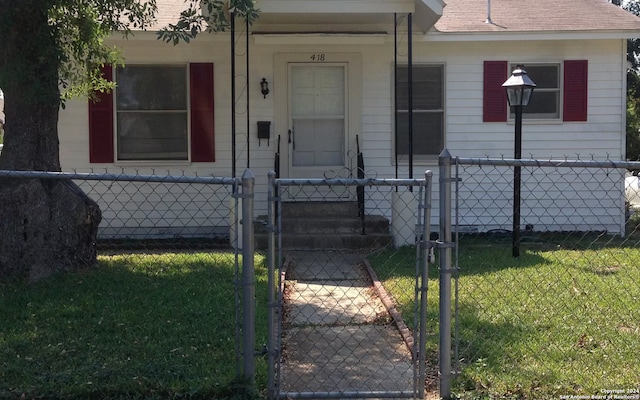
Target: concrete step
{"points": [[331, 225], [328, 241], [323, 209], [373, 224]]}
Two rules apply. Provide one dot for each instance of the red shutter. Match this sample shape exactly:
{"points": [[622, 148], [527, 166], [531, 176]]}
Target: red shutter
{"points": [[101, 123], [494, 102], [202, 112], [575, 90]]}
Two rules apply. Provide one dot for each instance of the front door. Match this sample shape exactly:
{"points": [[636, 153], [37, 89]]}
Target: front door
{"points": [[318, 114], [317, 120]]}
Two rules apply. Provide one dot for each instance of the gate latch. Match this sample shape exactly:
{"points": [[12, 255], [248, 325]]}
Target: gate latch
{"points": [[431, 254]]}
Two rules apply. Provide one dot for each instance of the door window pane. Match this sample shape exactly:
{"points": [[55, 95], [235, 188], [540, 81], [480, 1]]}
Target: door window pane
{"points": [[317, 91], [318, 142], [318, 115]]}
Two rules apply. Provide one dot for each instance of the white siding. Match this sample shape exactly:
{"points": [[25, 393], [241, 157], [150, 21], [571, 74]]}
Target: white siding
{"points": [[466, 135]]}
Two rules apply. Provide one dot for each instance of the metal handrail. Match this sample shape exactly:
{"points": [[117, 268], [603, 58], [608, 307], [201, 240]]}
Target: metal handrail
{"points": [[276, 166]]}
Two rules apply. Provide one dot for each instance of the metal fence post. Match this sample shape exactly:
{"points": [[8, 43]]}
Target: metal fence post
{"points": [[424, 279], [444, 162], [271, 290], [248, 281]]}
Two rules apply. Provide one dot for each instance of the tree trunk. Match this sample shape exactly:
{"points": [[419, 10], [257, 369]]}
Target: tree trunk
{"points": [[46, 226]]}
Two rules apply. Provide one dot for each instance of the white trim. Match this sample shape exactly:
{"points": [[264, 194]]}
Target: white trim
{"points": [[334, 6], [316, 38], [475, 36], [434, 5]]}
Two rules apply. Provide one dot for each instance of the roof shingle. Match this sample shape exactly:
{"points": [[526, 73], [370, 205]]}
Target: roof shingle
{"points": [[469, 16], [466, 16]]}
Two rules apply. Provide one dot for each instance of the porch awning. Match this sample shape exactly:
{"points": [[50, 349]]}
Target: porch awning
{"points": [[343, 15]]}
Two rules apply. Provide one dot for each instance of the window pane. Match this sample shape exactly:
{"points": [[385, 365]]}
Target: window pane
{"points": [[152, 136], [151, 88], [151, 103], [542, 105], [427, 133], [427, 87], [544, 76], [428, 94], [545, 100]]}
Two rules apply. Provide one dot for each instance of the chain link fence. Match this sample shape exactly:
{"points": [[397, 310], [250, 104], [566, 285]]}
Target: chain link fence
{"points": [[347, 314], [175, 211], [354, 308], [563, 318], [177, 243]]}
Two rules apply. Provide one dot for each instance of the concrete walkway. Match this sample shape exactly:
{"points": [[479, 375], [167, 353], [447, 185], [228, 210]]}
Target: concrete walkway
{"points": [[339, 337]]}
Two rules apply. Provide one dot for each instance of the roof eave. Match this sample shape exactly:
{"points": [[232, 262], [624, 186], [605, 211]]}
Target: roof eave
{"points": [[480, 36], [286, 12], [427, 13]]}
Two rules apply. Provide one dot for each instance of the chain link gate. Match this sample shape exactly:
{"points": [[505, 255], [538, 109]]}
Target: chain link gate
{"points": [[348, 267]]}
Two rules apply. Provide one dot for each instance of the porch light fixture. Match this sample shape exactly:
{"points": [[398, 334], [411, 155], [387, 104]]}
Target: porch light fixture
{"points": [[264, 87], [519, 88]]}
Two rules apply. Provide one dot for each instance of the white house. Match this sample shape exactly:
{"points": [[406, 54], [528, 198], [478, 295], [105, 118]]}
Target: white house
{"points": [[330, 68]]}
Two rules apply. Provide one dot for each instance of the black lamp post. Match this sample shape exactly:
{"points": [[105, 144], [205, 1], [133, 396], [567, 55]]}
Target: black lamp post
{"points": [[519, 88]]}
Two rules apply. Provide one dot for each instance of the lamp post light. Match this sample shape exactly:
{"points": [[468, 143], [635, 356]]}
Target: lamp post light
{"points": [[519, 88]]}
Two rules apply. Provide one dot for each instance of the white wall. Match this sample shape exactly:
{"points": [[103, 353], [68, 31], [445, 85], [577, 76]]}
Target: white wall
{"points": [[600, 137]]}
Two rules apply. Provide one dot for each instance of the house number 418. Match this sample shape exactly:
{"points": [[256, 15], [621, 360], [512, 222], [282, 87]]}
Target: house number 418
{"points": [[318, 57]]}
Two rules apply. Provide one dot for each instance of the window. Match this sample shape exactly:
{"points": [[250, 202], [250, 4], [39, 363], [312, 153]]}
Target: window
{"points": [[545, 101], [157, 113], [553, 98], [428, 111], [151, 113]]}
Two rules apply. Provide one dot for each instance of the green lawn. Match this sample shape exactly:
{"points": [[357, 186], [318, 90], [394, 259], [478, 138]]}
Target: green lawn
{"points": [[559, 320], [138, 326]]}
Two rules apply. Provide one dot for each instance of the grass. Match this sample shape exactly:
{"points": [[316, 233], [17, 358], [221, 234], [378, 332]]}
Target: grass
{"points": [[138, 326], [562, 319], [559, 320]]}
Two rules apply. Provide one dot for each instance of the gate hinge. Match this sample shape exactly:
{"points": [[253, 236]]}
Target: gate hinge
{"points": [[451, 179]]}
